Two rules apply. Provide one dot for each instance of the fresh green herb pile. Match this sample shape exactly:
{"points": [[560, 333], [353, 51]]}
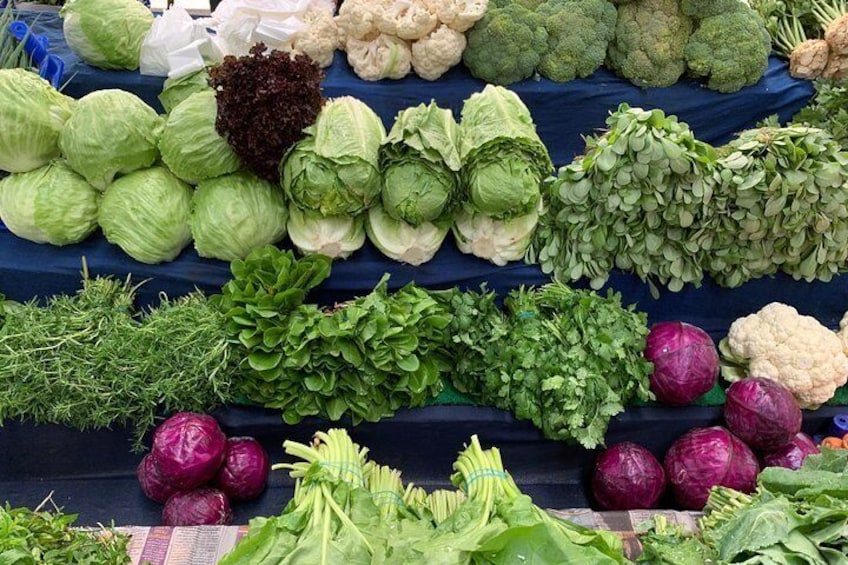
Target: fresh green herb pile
{"points": [[350, 510], [568, 360], [649, 198], [827, 110], [88, 361], [35, 537], [794, 517], [635, 201], [365, 358]]}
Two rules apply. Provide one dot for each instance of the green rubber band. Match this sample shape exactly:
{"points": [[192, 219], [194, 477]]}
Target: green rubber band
{"points": [[483, 473], [350, 468], [382, 497]]}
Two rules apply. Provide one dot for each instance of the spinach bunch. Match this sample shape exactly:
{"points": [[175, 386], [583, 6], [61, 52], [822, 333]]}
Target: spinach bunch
{"points": [[566, 359], [365, 358]]}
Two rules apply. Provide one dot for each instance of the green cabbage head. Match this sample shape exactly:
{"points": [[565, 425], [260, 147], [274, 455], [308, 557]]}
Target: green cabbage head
{"points": [[503, 159], [334, 236], [146, 213], [32, 113], [335, 169], [51, 204], [234, 214], [190, 144], [402, 242], [111, 132], [420, 162], [106, 33], [175, 90]]}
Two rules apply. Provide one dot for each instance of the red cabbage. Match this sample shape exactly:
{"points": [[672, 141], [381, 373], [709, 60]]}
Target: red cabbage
{"points": [[244, 474], [792, 454], [708, 457], [200, 507], [154, 485], [627, 476], [685, 359], [762, 413], [188, 449]]}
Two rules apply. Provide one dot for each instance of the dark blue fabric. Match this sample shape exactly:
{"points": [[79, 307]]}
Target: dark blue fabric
{"points": [[562, 112]]}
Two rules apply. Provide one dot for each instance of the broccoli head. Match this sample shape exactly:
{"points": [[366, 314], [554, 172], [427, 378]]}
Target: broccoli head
{"points": [[506, 45], [650, 40], [731, 49], [529, 4], [700, 9], [579, 32]]}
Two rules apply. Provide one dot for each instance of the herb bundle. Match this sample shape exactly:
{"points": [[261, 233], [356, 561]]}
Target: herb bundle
{"points": [[87, 361], [827, 110], [40, 536], [568, 360]]}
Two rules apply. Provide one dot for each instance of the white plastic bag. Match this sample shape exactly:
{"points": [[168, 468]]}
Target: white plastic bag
{"points": [[177, 42]]}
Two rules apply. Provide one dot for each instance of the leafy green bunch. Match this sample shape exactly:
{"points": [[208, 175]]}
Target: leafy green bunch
{"points": [[32, 537], [634, 201], [781, 204], [568, 360], [347, 509], [89, 361], [365, 358], [793, 517], [12, 53], [827, 110]]}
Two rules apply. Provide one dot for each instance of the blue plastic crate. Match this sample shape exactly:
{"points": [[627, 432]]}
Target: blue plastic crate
{"points": [[50, 67]]}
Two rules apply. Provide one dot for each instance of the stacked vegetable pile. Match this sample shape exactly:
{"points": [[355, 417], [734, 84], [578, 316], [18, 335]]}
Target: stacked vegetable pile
{"points": [[649, 42], [347, 509], [388, 38], [48, 536], [189, 453], [648, 197], [812, 34], [89, 361], [568, 360], [793, 517]]}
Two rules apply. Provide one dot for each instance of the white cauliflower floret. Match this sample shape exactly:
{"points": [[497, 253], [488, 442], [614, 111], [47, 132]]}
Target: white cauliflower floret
{"points": [[321, 38], [460, 15], [384, 56], [843, 332], [434, 55], [407, 19], [357, 19], [797, 351]]}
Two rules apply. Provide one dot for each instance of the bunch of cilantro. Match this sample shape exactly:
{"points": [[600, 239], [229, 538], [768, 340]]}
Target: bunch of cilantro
{"points": [[566, 359]]}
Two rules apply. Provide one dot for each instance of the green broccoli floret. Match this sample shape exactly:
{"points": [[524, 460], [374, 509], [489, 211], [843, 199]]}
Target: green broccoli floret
{"points": [[700, 9], [579, 32], [731, 49], [650, 38], [529, 4], [506, 45]]}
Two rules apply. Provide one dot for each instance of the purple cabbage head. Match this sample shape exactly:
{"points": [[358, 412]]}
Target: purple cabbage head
{"points": [[762, 413], [153, 484], [686, 363], [244, 474], [200, 507], [708, 457], [188, 449], [627, 476], [792, 454]]}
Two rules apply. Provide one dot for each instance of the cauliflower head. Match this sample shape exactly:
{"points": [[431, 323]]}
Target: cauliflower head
{"points": [[407, 19], [378, 57], [434, 55], [578, 35], [320, 39], [358, 19], [731, 50], [506, 45], [460, 15], [797, 351], [650, 40]]}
